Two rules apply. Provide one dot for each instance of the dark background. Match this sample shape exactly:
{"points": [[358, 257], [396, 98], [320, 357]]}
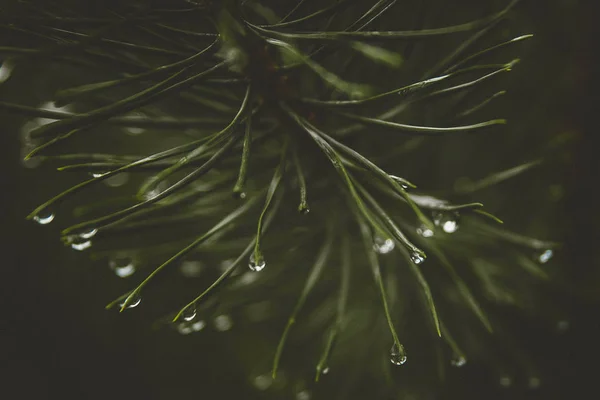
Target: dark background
{"points": [[57, 341]]}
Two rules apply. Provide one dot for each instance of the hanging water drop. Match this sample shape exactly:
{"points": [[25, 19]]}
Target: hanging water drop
{"points": [[417, 258], [97, 174], [401, 181], [325, 371], [122, 267], [424, 231], [448, 221], [135, 301], [89, 234], [303, 209], [545, 256], [256, 266], [80, 246], [458, 361], [383, 245], [397, 354], [44, 219], [189, 313]]}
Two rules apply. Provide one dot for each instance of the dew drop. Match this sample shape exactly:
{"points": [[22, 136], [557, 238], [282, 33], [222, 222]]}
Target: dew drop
{"points": [[223, 323], [89, 234], [458, 361], [189, 313], [545, 256], [122, 267], [97, 174], [256, 266], [448, 221], [135, 301], [44, 219], [401, 181], [263, 382], [397, 354], [325, 371], [424, 231], [383, 245], [80, 246], [303, 209], [417, 258]]}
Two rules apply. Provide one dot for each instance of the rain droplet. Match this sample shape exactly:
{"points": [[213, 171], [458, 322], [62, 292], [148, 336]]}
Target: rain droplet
{"points": [[189, 313], [89, 234], [417, 258], [97, 174], [545, 256], [223, 323], [505, 381], [263, 382], [135, 301], [325, 371], [303, 209], [383, 245], [448, 221], [256, 266], [401, 181], [123, 266], [424, 231], [458, 361], [397, 354], [534, 382], [44, 219], [80, 246]]}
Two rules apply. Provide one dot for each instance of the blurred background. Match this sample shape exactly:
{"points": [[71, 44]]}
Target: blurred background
{"points": [[57, 341]]}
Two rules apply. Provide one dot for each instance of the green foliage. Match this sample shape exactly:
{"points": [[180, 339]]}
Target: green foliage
{"points": [[233, 97]]}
